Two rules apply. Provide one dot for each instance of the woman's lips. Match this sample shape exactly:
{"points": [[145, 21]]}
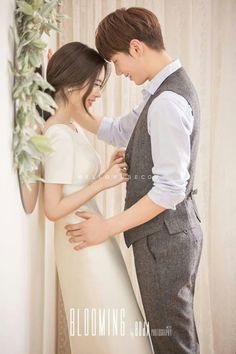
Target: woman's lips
{"points": [[90, 102]]}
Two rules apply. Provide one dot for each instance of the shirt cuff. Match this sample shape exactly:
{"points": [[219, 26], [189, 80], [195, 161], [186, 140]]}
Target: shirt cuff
{"points": [[104, 128], [165, 199]]}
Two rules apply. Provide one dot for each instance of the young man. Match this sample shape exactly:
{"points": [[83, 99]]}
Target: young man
{"points": [[160, 220]]}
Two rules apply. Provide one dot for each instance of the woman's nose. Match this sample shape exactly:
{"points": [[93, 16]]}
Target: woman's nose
{"points": [[98, 93]]}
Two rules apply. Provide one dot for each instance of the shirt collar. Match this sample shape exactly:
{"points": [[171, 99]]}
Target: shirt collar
{"points": [[156, 82]]}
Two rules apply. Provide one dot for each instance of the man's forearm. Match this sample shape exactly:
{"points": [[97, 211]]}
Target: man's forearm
{"points": [[142, 211]]}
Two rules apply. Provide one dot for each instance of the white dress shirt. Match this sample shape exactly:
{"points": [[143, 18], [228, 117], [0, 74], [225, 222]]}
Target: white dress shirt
{"points": [[169, 123]]}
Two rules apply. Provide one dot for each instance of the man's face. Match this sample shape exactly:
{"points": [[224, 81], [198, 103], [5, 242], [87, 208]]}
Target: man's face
{"points": [[130, 66]]}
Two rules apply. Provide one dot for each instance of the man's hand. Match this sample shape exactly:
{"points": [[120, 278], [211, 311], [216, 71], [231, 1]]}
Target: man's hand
{"points": [[88, 233]]}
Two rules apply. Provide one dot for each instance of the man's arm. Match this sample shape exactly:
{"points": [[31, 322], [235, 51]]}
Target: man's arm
{"points": [[134, 216], [114, 131], [170, 124], [96, 229]]}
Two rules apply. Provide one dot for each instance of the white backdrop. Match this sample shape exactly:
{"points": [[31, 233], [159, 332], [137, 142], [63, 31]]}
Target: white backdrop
{"points": [[21, 236], [202, 34]]}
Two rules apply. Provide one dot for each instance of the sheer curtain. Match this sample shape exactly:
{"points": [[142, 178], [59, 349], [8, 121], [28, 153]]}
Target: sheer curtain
{"points": [[202, 34]]}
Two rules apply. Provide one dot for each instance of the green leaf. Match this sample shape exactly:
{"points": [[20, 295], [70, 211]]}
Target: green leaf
{"points": [[37, 4], [35, 58], [17, 90], [25, 40], [45, 99], [42, 143], [48, 7], [38, 119], [50, 26], [40, 81], [25, 8], [38, 43]]}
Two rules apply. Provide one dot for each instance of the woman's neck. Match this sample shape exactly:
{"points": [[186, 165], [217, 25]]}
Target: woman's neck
{"points": [[62, 115]]}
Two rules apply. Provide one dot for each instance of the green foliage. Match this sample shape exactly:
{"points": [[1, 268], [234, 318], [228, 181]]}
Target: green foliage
{"points": [[33, 18]]}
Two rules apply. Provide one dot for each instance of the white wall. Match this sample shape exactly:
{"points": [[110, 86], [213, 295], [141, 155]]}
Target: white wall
{"points": [[21, 236]]}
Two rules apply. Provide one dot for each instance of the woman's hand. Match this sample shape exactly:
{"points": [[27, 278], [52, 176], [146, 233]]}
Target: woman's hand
{"points": [[115, 174], [117, 156], [49, 54]]}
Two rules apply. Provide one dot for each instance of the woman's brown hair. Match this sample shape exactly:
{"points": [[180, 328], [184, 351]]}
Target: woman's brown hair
{"points": [[117, 29], [75, 65]]}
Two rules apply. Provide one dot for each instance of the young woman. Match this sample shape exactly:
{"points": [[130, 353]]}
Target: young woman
{"points": [[100, 305]]}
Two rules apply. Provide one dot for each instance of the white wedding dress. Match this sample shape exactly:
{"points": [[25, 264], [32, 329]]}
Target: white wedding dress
{"points": [[99, 301]]}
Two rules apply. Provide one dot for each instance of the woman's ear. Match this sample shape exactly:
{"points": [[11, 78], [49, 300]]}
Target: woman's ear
{"points": [[66, 92]]}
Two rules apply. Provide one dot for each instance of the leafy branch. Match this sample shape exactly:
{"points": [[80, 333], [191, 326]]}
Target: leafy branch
{"points": [[33, 19]]}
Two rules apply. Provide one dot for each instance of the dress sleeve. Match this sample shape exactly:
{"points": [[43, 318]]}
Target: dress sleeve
{"points": [[59, 164]]}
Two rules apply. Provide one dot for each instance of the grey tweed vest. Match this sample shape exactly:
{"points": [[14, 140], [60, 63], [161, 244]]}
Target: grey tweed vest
{"points": [[139, 159]]}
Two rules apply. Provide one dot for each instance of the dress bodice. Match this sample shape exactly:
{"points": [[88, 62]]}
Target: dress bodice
{"points": [[73, 162]]}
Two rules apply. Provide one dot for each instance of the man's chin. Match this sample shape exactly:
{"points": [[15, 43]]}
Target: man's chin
{"points": [[139, 82]]}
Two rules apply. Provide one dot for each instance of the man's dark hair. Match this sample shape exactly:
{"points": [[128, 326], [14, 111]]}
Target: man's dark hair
{"points": [[117, 29]]}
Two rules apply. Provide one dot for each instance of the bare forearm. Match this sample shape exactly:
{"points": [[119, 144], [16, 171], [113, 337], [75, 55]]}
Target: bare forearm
{"points": [[142, 211], [56, 209]]}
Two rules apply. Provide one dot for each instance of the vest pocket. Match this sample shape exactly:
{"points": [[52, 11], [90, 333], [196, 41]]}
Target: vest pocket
{"points": [[176, 228], [182, 219]]}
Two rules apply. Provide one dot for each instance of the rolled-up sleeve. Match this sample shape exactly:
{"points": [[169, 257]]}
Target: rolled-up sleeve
{"points": [[170, 123], [117, 131]]}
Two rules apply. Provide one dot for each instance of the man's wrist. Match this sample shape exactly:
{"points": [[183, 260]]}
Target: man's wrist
{"points": [[111, 226]]}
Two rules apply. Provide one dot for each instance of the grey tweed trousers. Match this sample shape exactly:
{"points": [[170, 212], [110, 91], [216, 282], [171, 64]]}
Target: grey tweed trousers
{"points": [[166, 266]]}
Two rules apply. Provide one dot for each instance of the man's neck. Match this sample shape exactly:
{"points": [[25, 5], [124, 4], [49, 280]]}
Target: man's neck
{"points": [[157, 61]]}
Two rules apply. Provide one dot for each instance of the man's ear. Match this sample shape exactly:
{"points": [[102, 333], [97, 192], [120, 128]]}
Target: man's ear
{"points": [[136, 48]]}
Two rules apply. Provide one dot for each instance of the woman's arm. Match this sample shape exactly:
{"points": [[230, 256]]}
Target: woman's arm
{"points": [[56, 206]]}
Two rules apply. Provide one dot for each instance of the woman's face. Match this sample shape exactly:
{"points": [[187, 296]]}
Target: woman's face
{"points": [[76, 96]]}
